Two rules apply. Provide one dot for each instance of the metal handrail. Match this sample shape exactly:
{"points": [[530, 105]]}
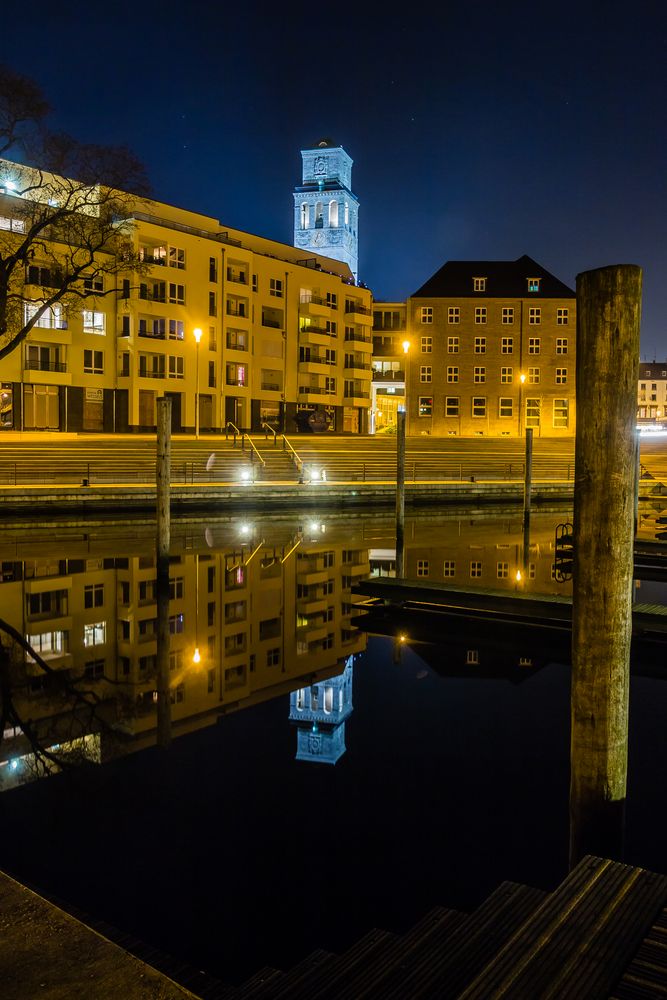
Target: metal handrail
{"points": [[252, 447], [298, 462], [235, 431], [266, 428]]}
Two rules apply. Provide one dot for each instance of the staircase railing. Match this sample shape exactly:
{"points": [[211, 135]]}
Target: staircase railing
{"points": [[298, 462]]}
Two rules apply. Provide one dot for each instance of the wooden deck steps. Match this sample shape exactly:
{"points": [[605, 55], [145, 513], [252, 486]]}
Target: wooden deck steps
{"points": [[646, 976]]}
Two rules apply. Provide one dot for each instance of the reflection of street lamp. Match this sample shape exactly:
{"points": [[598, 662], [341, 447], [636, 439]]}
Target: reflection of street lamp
{"points": [[197, 336], [196, 656]]}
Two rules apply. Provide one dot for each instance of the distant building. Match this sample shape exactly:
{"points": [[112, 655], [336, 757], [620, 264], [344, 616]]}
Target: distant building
{"points": [[389, 359], [492, 351], [652, 392], [319, 713], [325, 209]]}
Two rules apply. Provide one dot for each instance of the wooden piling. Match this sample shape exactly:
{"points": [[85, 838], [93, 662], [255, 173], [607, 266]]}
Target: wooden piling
{"points": [[400, 494], [527, 487], [608, 316], [163, 541]]}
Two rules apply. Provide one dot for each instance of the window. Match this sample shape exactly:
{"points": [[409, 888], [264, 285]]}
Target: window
{"points": [[305, 215], [562, 317], [534, 316], [472, 657], [533, 376], [505, 407], [94, 670], [93, 595], [236, 374], [212, 380], [330, 385], [427, 345], [508, 315], [93, 322], [561, 409], [175, 367], [425, 408], [332, 300], [14, 225], [93, 362], [479, 284], [475, 569], [561, 376], [52, 318], [507, 345], [177, 258], [452, 345], [480, 314], [425, 373], [449, 568], [273, 657], [254, 283], [422, 567], [176, 329], [212, 269], [453, 314], [451, 406], [533, 345], [176, 624], [427, 314], [532, 413], [212, 304], [276, 287], [452, 374], [480, 345], [93, 283], [331, 327], [94, 634], [502, 570], [506, 375], [175, 588], [561, 345], [237, 340], [533, 284], [479, 375], [479, 406]]}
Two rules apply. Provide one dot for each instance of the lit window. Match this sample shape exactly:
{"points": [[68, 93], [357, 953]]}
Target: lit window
{"points": [[427, 314], [472, 656], [93, 322], [94, 634], [425, 406], [13, 225], [561, 413], [452, 374], [453, 314], [533, 284], [176, 329]]}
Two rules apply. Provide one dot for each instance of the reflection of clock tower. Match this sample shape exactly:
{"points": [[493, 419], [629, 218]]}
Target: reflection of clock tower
{"points": [[325, 210]]}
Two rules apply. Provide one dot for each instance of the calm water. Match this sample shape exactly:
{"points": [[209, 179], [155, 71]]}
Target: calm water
{"points": [[451, 775]]}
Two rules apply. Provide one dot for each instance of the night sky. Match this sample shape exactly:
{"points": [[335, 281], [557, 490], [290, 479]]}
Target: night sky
{"points": [[479, 131]]}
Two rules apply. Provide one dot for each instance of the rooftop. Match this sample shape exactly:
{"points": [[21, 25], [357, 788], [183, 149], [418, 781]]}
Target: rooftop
{"points": [[504, 279]]}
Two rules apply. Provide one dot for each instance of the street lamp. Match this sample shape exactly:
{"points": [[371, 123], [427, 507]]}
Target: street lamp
{"points": [[197, 336]]}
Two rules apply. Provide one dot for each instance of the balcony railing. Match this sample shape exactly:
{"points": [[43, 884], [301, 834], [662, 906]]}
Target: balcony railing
{"points": [[239, 383], [154, 374], [317, 390], [151, 335], [236, 276], [354, 307], [149, 258], [45, 366], [359, 337], [271, 386], [44, 323], [363, 366], [356, 394], [316, 329], [149, 296], [233, 345], [392, 376], [274, 323], [317, 359]]}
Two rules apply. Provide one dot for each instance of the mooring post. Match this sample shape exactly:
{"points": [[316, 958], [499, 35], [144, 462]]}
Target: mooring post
{"points": [[400, 493], [527, 486], [163, 471], [608, 318]]}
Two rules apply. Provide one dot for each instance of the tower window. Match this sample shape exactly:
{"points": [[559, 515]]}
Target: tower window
{"points": [[347, 214], [305, 215], [319, 218], [333, 214]]}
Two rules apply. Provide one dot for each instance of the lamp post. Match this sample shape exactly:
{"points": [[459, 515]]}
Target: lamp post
{"points": [[197, 336], [406, 351], [522, 379]]}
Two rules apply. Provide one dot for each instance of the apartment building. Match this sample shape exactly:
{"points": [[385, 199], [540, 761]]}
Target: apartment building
{"points": [[492, 351], [652, 393], [234, 328], [389, 359]]}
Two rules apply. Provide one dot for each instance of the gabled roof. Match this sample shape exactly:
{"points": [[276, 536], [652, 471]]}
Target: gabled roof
{"points": [[504, 279], [653, 369]]}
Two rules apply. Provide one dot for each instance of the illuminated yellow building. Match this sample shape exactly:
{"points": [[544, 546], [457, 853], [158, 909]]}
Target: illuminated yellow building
{"points": [[281, 331]]}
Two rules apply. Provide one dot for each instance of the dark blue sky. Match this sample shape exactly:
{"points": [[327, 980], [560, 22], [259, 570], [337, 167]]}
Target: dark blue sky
{"points": [[482, 130]]}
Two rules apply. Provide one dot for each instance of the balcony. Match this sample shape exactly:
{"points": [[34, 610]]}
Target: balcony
{"points": [[45, 366], [311, 390], [315, 307], [271, 387], [361, 314], [356, 394], [363, 366], [273, 323], [151, 335], [391, 377], [150, 258], [237, 276], [358, 338], [154, 374]]}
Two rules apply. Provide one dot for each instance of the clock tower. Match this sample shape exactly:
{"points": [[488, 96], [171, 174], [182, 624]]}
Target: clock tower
{"points": [[325, 210]]}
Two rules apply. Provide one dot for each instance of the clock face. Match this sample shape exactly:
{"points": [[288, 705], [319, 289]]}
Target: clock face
{"points": [[319, 166]]}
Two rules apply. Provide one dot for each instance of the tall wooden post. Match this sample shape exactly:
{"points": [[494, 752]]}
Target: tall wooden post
{"points": [[527, 488], [608, 315], [163, 474], [400, 493]]}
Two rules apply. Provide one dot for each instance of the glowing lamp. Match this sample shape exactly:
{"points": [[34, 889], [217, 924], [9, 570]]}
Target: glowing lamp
{"points": [[196, 656]]}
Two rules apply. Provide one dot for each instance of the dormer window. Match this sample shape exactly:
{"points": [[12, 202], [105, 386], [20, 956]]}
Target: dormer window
{"points": [[479, 284], [533, 284]]}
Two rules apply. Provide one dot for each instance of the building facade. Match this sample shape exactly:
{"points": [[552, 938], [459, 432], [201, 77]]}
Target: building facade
{"points": [[326, 212], [492, 351], [389, 360], [278, 334], [652, 393]]}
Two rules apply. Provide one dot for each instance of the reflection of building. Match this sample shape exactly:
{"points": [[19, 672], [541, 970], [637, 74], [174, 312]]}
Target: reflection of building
{"points": [[280, 332], [319, 712], [264, 617], [389, 360], [493, 351], [325, 210]]}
